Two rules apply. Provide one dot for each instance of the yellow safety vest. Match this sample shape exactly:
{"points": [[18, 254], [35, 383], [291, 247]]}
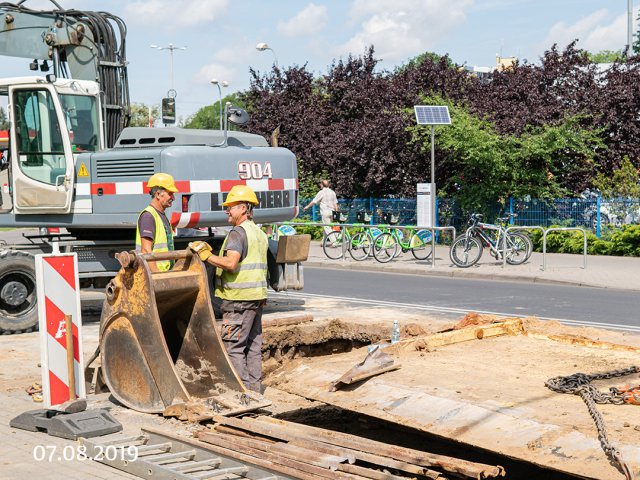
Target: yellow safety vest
{"points": [[163, 241], [249, 280]]}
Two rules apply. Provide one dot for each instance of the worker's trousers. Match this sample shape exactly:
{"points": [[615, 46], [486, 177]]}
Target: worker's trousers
{"points": [[242, 337]]}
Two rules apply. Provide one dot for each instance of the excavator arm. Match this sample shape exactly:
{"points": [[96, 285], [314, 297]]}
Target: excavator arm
{"points": [[80, 45]]}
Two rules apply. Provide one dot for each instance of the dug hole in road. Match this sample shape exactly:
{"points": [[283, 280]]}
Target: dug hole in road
{"points": [[482, 390]]}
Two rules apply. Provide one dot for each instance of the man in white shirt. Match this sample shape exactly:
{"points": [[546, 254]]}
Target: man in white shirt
{"points": [[328, 202]]}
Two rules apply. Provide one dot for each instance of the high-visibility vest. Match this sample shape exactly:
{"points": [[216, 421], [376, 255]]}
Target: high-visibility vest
{"points": [[249, 280], [163, 241]]}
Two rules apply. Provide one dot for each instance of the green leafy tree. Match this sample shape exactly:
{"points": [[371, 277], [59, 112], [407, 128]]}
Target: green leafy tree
{"points": [[606, 56], [4, 121], [485, 166], [624, 182], [140, 115], [635, 46], [209, 117]]}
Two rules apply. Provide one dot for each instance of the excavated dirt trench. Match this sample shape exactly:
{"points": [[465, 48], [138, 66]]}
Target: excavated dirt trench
{"points": [[280, 345], [284, 347]]}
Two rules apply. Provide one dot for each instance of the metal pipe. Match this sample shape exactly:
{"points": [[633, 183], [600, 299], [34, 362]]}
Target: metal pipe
{"points": [[566, 229]]}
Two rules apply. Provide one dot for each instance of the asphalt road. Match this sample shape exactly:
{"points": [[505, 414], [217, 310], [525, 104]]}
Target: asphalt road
{"points": [[610, 308]]}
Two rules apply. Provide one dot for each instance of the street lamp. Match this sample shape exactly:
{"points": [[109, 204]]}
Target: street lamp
{"points": [[262, 46], [171, 47], [224, 83], [629, 26]]}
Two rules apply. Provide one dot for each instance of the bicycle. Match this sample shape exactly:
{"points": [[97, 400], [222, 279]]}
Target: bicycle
{"points": [[332, 242], [394, 241], [467, 249], [362, 242], [504, 224]]}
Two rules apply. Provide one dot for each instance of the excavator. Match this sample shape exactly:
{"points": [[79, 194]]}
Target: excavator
{"points": [[73, 164]]}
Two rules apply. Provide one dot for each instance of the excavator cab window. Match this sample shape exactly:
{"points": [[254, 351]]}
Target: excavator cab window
{"points": [[40, 146], [81, 114]]}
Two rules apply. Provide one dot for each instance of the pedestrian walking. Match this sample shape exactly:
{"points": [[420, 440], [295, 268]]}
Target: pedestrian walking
{"points": [[328, 202]]}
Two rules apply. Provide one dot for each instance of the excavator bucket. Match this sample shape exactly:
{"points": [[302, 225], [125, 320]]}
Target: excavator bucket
{"points": [[159, 344]]}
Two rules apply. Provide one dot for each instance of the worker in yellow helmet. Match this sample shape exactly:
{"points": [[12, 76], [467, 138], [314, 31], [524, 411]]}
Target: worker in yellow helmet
{"points": [[241, 284], [154, 232]]}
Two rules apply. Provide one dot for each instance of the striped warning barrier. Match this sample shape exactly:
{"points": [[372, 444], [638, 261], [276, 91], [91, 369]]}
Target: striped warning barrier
{"points": [[59, 295]]}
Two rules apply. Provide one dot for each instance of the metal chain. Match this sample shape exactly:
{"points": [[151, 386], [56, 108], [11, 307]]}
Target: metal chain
{"points": [[580, 384]]}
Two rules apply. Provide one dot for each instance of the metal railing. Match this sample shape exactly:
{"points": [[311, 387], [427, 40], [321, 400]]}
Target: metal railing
{"points": [[345, 246], [565, 229], [591, 213]]}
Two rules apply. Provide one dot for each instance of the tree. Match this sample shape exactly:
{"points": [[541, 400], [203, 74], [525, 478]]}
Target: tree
{"points": [[606, 56], [625, 181], [208, 117], [140, 115], [4, 121], [562, 119], [351, 121], [635, 46], [486, 166]]}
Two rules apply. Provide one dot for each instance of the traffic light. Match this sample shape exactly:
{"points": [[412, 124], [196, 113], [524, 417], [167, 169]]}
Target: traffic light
{"points": [[168, 110]]}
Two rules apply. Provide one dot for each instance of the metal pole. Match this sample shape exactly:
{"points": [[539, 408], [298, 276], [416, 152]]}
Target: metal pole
{"points": [[220, 103], [629, 26], [171, 63], [433, 178], [70, 356]]}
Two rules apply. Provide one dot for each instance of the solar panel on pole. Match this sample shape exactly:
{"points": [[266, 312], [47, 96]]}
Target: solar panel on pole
{"points": [[432, 115]]}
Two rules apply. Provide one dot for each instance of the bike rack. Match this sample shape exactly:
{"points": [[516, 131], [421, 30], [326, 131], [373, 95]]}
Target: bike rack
{"points": [[563, 229], [516, 228], [433, 236], [368, 226]]}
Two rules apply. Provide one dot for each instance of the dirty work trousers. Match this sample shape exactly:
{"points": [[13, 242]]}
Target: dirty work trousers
{"points": [[242, 337]]}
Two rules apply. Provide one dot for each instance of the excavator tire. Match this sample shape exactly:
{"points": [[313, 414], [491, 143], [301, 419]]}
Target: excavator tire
{"points": [[18, 296]]}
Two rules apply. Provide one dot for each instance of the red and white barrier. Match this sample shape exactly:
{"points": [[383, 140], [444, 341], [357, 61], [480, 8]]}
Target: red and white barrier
{"points": [[59, 295]]}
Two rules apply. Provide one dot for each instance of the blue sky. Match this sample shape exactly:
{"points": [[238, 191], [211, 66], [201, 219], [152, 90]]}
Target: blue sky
{"points": [[221, 35]]}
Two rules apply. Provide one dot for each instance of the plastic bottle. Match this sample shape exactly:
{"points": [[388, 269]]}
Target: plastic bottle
{"points": [[395, 332]]}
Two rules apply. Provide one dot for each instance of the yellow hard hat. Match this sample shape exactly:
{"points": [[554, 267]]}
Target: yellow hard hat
{"points": [[241, 193], [163, 180]]}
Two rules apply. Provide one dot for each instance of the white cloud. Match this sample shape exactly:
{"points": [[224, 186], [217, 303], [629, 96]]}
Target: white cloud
{"points": [[174, 14], [225, 64], [595, 32], [220, 71], [405, 29], [311, 20]]}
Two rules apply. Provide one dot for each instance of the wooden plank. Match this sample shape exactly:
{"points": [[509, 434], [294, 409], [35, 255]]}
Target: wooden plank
{"points": [[372, 474], [302, 442], [373, 459], [241, 433], [448, 464], [291, 434], [303, 468], [473, 332]]}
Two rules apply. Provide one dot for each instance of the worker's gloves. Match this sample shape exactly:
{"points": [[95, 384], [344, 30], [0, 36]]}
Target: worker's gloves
{"points": [[203, 249]]}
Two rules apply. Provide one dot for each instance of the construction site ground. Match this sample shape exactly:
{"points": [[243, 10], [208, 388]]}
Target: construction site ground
{"points": [[479, 399]]}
